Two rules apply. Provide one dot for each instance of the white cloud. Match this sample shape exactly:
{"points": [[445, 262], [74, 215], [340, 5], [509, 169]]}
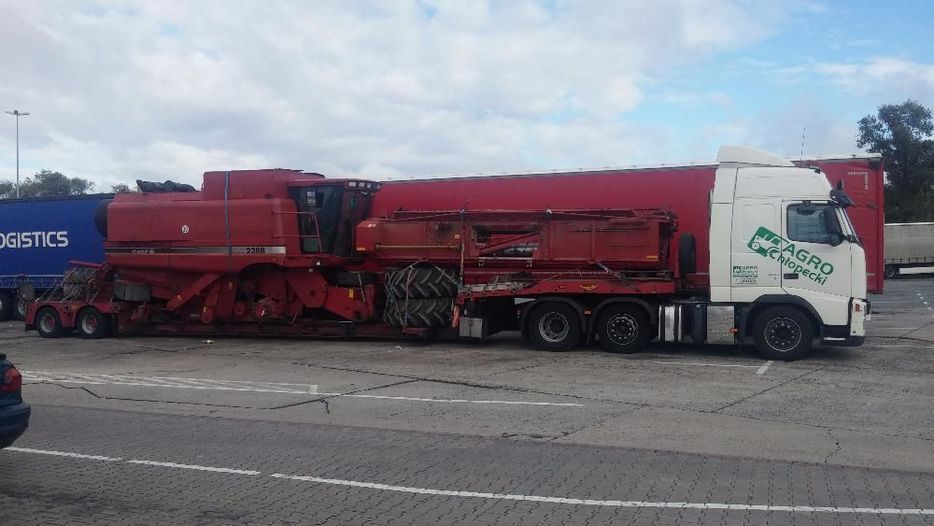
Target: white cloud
{"points": [[125, 90], [888, 75]]}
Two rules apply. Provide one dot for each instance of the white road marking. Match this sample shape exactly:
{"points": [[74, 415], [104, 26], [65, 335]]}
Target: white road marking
{"points": [[610, 503], [700, 364], [764, 368], [194, 467], [252, 387], [168, 381], [62, 454], [453, 400], [501, 496]]}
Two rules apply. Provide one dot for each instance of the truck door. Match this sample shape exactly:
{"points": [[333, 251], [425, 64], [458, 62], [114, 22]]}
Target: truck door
{"points": [[754, 267], [815, 256]]}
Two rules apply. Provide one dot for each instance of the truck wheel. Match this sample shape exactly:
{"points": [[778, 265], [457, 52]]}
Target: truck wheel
{"points": [[92, 324], [48, 323], [623, 328], [6, 306], [20, 307], [420, 283], [891, 272], [554, 327], [422, 313], [783, 333]]}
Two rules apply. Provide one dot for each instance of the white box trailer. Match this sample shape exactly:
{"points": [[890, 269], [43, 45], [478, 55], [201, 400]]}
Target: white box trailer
{"points": [[908, 245]]}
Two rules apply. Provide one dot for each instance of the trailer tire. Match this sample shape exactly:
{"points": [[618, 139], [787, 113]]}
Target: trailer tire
{"points": [[49, 323], [555, 327], [354, 279], [420, 283], [92, 324], [891, 271], [6, 306], [420, 313], [783, 333], [623, 329]]}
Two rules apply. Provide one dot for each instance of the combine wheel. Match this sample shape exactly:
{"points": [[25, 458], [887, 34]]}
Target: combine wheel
{"points": [[92, 324], [554, 326], [6, 306], [623, 328], [420, 313], [783, 333], [420, 283], [48, 323]]}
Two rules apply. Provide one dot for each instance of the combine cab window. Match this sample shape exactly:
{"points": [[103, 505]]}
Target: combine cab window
{"points": [[319, 217]]}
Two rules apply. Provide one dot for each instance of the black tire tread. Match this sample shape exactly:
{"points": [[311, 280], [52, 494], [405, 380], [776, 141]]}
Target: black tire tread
{"points": [[420, 283], [419, 313], [803, 320]]}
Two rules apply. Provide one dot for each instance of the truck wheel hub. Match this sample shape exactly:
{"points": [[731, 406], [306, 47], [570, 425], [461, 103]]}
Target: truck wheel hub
{"points": [[622, 329], [89, 324], [554, 327], [47, 323], [783, 334]]}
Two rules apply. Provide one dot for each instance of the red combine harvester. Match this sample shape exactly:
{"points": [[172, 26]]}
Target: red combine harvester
{"points": [[283, 252]]}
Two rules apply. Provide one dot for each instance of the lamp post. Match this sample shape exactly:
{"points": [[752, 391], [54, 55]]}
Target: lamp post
{"points": [[17, 114]]}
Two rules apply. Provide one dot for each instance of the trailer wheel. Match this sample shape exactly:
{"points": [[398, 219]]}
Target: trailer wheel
{"points": [[6, 306], [92, 324], [783, 333], [48, 323], [554, 327], [623, 328], [891, 272], [420, 283]]}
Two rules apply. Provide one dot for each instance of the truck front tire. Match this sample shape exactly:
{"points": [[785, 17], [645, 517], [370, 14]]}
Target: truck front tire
{"points": [[554, 327], [623, 329], [783, 333]]}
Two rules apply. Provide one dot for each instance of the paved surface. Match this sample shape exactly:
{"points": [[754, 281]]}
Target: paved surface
{"points": [[179, 431]]}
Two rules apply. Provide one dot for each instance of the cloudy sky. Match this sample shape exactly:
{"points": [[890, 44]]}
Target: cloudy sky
{"points": [[162, 89]]}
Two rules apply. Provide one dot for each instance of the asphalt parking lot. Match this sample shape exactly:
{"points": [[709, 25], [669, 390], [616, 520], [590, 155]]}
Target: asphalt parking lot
{"points": [[246, 431]]}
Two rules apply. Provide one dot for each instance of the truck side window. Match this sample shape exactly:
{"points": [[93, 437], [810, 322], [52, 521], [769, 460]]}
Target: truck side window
{"points": [[812, 223]]}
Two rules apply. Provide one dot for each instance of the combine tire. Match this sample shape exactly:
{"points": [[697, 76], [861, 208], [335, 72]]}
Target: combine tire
{"points": [[420, 313], [420, 283], [19, 311], [48, 323]]}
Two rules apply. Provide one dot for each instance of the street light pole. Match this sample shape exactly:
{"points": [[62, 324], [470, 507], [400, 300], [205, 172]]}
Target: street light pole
{"points": [[17, 114]]}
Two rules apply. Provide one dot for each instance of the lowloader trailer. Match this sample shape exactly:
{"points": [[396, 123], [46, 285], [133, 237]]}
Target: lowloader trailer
{"points": [[282, 252]]}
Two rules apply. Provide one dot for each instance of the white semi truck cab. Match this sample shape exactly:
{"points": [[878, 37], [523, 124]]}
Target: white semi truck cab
{"points": [[786, 265]]}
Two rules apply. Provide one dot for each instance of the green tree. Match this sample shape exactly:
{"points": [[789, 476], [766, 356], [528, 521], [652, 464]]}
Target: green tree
{"points": [[122, 188], [7, 190], [47, 183], [902, 133]]}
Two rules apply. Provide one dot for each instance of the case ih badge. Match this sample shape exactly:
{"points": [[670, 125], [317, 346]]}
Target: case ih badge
{"points": [[769, 244]]}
